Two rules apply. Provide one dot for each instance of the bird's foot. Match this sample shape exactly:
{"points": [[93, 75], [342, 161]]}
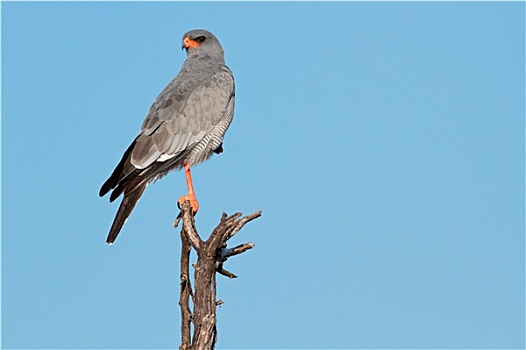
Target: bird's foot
{"points": [[193, 202]]}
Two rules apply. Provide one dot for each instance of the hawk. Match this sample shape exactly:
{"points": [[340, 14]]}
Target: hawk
{"points": [[184, 127]]}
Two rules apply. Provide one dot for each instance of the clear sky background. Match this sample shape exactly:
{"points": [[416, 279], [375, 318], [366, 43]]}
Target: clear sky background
{"points": [[384, 143]]}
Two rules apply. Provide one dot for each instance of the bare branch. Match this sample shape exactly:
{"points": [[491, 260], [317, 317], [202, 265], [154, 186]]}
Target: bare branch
{"points": [[186, 291], [189, 225], [224, 272], [178, 218], [226, 253], [242, 223], [211, 254]]}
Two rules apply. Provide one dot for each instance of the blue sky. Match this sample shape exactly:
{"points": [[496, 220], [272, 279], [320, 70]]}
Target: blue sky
{"points": [[384, 143]]}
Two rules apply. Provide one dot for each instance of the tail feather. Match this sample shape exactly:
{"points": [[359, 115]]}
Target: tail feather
{"points": [[125, 209], [130, 181]]}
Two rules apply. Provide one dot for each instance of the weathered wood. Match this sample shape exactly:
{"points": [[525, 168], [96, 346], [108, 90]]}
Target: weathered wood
{"points": [[186, 292], [211, 254]]}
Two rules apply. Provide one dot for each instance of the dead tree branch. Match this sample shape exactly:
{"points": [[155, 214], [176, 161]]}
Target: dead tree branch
{"points": [[211, 255], [186, 292]]}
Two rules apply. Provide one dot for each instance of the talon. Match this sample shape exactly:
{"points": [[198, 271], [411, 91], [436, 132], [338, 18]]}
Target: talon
{"points": [[191, 199]]}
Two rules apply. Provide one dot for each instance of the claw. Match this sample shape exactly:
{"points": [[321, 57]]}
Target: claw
{"points": [[193, 202]]}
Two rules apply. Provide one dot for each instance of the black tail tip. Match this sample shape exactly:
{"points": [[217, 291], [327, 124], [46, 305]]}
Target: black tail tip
{"points": [[104, 189], [110, 239]]}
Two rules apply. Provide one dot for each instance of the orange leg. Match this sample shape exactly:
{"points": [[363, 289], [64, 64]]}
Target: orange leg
{"points": [[190, 196]]}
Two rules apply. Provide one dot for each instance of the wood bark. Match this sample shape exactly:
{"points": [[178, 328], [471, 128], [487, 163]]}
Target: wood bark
{"points": [[211, 255]]}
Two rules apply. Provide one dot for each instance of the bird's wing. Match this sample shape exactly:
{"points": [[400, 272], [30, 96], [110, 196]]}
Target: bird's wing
{"points": [[181, 117]]}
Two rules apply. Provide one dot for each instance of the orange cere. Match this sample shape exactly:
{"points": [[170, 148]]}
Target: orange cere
{"points": [[189, 43]]}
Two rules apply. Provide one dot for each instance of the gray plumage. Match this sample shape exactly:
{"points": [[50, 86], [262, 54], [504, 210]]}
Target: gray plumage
{"points": [[185, 124]]}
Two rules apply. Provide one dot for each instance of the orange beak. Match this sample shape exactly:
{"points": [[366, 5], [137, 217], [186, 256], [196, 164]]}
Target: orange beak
{"points": [[189, 43]]}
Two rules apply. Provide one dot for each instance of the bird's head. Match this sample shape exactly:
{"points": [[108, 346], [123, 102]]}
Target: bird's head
{"points": [[199, 41]]}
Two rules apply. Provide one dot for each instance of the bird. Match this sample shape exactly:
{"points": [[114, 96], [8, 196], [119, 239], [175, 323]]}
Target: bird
{"points": [[184, 126]]}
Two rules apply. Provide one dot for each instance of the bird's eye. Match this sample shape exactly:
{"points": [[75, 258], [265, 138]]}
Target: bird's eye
{"points": [[200, 39]]}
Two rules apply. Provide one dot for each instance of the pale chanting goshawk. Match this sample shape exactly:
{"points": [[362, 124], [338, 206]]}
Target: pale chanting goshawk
{"points": [[184, 126]]}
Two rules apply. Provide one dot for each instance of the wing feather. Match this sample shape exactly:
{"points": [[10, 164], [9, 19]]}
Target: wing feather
{"points": [[176, 122]]}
